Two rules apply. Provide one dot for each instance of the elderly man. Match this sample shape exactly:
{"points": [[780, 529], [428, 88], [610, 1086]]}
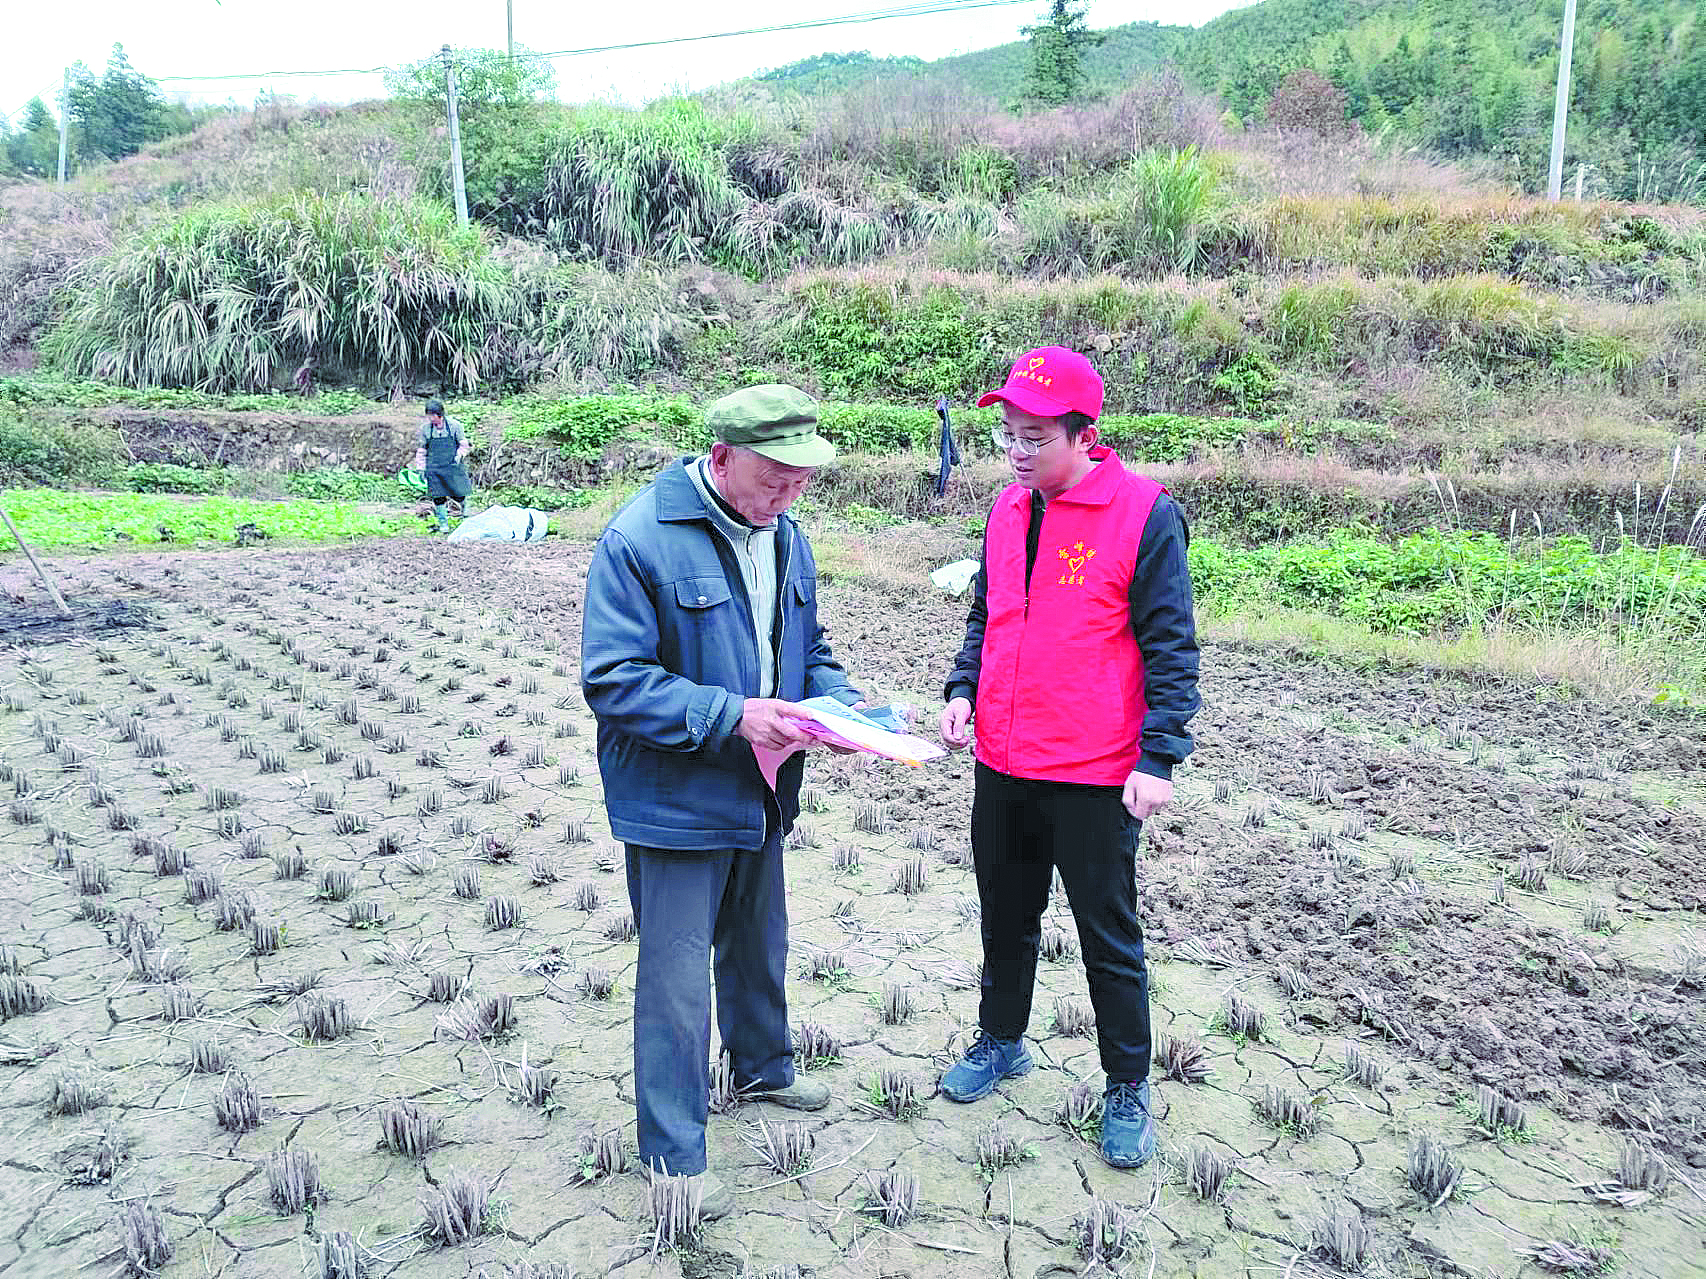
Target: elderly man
{"points": [[700, 629]]}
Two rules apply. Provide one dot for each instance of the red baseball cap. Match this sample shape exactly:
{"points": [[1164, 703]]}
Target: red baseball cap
{"points": [[1051, 381]]}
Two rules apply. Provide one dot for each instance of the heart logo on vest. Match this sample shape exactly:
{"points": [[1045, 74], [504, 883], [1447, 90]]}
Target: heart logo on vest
{"points": [[1075, 557]]}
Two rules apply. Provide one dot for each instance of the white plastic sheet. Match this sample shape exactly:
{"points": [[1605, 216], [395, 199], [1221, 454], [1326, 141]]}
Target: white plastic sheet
{"points": [[502, 524], [954, 578]]}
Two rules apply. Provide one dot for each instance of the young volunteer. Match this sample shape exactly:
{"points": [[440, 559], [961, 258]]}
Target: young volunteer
{"points": [[1080, 668]]}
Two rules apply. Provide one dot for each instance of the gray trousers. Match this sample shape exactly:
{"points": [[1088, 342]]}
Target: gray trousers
{"points": [[721, 909]]}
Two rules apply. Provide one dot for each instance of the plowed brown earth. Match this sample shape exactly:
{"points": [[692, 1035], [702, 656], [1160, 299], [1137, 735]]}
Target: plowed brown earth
{"points": [[421, 704]]}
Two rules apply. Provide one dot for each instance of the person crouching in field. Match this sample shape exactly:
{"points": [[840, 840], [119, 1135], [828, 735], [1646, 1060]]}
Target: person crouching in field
{"points": [[440, 448], [700, 629], [1080, 667]]}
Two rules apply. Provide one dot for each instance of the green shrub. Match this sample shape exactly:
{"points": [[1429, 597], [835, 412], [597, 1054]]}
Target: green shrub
{"points": [[984, 173], [587, 424], [1169, 437], [1249, 383], [1440, 581], [37, 451], [1170, 195], [860, 338], [878, 428], [53, 391], [167, 477], [641, 184]]}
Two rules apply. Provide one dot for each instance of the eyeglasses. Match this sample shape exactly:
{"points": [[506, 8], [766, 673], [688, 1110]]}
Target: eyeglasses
{"points": [[1030, 448]]}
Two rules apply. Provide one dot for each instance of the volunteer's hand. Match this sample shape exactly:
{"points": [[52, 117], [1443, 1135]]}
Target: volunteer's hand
{"points": [[420, 460], [1146, 795], [769, 722], [956, 720]]}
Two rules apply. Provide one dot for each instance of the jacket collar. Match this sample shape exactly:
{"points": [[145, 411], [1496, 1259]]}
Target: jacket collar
{"points": [[1095, 489], [678, 499]]}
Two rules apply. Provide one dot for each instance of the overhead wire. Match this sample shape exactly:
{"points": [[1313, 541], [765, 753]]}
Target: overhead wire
{"points": [[925, 9], [9, 116]]}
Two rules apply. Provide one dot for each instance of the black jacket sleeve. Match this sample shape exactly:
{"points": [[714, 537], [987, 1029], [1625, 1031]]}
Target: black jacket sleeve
{"points": [[969, 664], [1163, 619]]}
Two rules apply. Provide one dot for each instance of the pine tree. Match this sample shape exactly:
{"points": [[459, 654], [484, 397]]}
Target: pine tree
{"points": [[34, 148], [133, 105], [1348, 76], [117, 113], [1395, 77], [1058, 45]]}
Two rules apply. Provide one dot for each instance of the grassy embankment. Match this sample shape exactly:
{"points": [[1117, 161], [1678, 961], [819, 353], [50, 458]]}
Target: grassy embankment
{"points": [[1344, 383]]}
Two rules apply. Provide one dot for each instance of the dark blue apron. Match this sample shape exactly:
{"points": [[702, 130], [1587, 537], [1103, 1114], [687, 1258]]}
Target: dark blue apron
{"points": [[445, 476]]}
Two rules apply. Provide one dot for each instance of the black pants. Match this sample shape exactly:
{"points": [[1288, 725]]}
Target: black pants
{"points": [[1022, 830]]}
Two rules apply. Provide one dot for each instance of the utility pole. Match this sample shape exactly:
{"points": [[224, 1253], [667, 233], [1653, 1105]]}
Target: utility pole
{"points": [[509, 9], [456, 140], [1560, 105], [64, 120]]}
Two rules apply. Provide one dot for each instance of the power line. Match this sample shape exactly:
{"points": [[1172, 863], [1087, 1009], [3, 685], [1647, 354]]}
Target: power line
{"points": [[46, 88], [805, 24]]}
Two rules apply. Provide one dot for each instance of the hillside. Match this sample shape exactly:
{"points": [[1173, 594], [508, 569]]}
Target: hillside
{"points": [[1463, 77], [1126, 52], [1329, 343]]}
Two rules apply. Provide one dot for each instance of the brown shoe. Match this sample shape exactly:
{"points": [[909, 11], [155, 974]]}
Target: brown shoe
{"points": [[716, 1200], [802, 1094]]}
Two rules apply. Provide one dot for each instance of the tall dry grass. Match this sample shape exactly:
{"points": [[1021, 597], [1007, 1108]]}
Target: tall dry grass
{"points": [[234, 298], [1274, 164]]}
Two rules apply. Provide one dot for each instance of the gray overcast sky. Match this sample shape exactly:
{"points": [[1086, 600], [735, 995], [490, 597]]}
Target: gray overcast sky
{"points": [[207, 37]]}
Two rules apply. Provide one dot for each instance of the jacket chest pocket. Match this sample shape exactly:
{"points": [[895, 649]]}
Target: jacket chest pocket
{"points": [[698, 598], [706, 640]]}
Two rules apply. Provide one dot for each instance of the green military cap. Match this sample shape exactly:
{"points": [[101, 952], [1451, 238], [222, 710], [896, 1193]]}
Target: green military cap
{"points": [[779, 422]]}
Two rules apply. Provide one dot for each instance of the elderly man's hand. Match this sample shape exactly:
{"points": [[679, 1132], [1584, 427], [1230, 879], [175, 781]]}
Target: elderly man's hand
{"points": [[770, 723]]}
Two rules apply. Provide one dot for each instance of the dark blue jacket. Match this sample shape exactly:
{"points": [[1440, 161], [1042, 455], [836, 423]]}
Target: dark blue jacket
{"points": [[668, 661]]}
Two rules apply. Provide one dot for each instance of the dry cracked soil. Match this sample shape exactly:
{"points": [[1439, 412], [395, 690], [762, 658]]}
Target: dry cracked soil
{"points": [[275, 856]]}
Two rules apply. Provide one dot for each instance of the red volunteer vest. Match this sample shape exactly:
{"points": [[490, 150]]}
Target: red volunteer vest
{"points": [[1060, 692]]}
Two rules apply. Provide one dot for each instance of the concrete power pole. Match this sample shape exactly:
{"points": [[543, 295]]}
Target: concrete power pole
{"points": [[64, 120], [456, 140], [509, 10], [1560, 106]]}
